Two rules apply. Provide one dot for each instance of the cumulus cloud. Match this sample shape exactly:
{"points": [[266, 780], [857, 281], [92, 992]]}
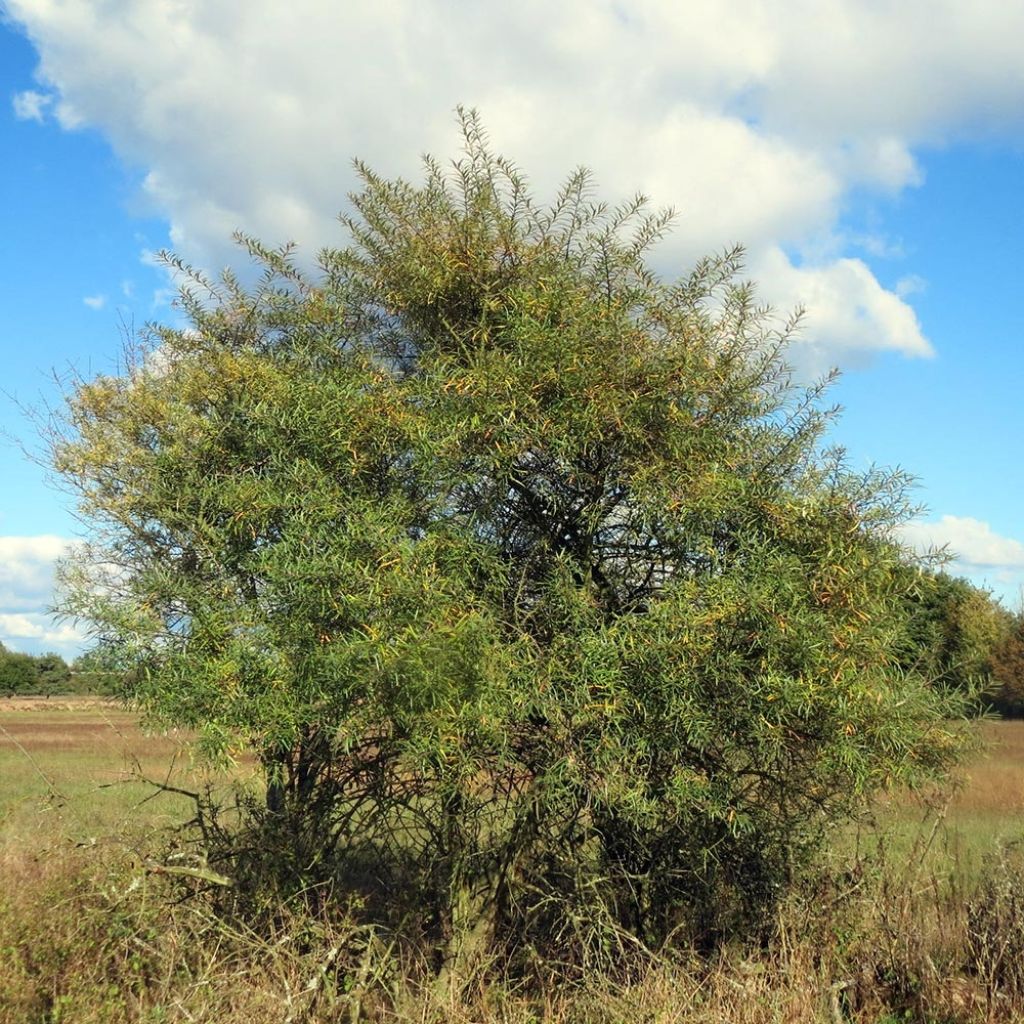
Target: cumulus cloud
{"points": [[40, 631], [851, 314], [30, 105], [755, 119], [978, 552], [26, 570], [95, 301], [26, 589], [971, 541]]}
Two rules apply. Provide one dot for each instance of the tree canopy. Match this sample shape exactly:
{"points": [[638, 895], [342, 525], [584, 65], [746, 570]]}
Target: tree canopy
{"points": [[1007, 669], [28, 675], [524, 571], [954, 632]]}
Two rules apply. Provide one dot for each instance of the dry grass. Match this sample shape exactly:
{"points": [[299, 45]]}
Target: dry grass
{"points": [[982, 812], [66, 702], [931, 929], [72, 774], [994, 783]]}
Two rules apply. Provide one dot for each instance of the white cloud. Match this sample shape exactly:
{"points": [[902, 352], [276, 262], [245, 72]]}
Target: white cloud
{"points": [[26, 590], [876, 244], [978, 552], [95, 301], [851, 314], [755, 119], [971, 541], [162, 299], [30, 105], [41, 630], [26, 571], [911, 284]]}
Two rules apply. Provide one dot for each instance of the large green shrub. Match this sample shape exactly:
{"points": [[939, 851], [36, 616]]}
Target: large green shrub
{"points": [[19, 673], [1007, 665], [523, 571], [32, 676], [954, 630]]}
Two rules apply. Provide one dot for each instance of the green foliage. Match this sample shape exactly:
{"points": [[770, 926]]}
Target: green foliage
{"points": [[523, 572], [18, 673], [100, 670], [955, 632], [1007, 666], [25, 675], [53, 673]]}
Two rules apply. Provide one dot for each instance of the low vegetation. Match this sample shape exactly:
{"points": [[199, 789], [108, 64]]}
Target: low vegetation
{"points": [[917, 915]]}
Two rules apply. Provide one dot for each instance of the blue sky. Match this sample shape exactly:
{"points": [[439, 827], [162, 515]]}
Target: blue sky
{"points": [[868, 154]]}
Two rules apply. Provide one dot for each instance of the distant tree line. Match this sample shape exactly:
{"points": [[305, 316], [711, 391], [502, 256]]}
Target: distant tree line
{"points": [[46, 675], [962, 638]]}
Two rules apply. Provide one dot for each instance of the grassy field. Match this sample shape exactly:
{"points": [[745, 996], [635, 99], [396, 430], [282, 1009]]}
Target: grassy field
{"points": [[990, 805], [71, 771], [982, 811], [933, 933]]}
